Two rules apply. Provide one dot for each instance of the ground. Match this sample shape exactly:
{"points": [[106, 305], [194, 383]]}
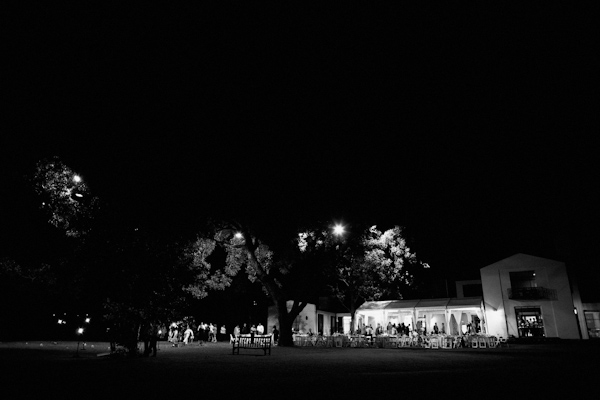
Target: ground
{"points": [[566, 368]]}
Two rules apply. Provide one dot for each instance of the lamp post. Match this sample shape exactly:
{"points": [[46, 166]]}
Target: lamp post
{"points": [[79, 333], [86, 321]]}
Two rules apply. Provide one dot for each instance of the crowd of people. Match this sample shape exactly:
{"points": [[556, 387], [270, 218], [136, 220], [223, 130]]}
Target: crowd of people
{"points": [[258, 329], [187, 333], [400, 329]]}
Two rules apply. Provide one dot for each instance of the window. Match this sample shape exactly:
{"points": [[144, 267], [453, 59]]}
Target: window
{"points": [[522, 279], [592, 320], [524, 287], [529, 322], [298, 323], [320, 324]]}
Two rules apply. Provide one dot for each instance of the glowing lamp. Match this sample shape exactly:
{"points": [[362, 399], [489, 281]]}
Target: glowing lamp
{"points": [[87, 320], [76, 178], [338, 229], [80, 331], [239, 235]]}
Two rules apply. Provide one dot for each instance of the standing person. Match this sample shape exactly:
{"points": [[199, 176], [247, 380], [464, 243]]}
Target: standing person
{"points": [[245, 329], [200, 333], [223, 332], [260, 329], [212, 332], [174, 335], [236, 331], [145, 334], [188, 335], [153, 338]]}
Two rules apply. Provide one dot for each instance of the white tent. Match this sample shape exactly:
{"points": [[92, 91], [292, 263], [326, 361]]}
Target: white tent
{"points": [[452, 315]]}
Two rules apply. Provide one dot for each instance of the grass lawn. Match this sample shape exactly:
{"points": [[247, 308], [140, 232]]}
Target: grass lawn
{"points": [[31, 370]]}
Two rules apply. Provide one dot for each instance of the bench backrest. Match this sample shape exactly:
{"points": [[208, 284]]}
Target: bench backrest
{"points": [[256, 341]]}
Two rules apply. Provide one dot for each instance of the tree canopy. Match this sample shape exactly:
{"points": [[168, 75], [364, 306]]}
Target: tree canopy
{"points": [[363, 265]]}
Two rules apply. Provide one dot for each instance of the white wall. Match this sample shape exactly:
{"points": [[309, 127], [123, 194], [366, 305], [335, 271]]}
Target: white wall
{"points": [[307, 317], [558, 316]]}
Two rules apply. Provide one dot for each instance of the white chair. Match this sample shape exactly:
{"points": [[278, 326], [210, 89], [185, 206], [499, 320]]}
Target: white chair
{"points": [[426, 343], [457, 342], [482, 343]]}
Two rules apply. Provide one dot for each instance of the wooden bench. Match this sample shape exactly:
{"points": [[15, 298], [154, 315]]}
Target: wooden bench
{"points": [[256, 342]]}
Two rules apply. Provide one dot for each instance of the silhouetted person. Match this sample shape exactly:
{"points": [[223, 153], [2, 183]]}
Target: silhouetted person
{"points": [[150, 337], [245, 329]]}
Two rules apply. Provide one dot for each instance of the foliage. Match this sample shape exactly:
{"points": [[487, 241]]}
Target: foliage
{"points": [[369, 265], [244, 251], [138, 276], [65, 197]]}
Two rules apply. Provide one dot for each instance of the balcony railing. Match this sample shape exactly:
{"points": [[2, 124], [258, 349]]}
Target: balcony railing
{"points": [[531, 293]]}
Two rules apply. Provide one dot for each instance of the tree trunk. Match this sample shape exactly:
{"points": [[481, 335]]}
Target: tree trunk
{"points": [[285, 325], [286, 319], [352, 317]]}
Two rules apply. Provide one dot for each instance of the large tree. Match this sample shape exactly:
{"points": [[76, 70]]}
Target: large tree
{"points": [[131, 274], [362, 266], [64, 196], [280, 275]]}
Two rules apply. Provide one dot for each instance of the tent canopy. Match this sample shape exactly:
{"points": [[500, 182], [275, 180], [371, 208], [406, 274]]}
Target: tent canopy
{"points": [[444, 303]]}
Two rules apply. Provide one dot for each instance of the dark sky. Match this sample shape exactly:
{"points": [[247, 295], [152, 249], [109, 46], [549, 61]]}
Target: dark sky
{"points": [[473, 128]]}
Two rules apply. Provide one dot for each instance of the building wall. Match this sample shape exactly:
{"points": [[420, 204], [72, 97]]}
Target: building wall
{"points": [[307, 319], [558, 316]]}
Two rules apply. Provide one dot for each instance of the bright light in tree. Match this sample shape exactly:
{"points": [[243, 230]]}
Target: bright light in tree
{"points": [[80, 331], [239, 235], [338, 230], [76, 179]]}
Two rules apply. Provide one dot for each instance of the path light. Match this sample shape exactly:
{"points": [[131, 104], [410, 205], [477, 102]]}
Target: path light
{"points": [[79, 333]]}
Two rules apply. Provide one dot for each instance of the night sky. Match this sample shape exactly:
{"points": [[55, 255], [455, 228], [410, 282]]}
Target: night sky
{"points": [[472, 128]]}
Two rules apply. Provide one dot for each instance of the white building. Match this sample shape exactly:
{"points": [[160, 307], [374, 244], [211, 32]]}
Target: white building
{"points": [[324, 318], [523, 296], [527, 296]]}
